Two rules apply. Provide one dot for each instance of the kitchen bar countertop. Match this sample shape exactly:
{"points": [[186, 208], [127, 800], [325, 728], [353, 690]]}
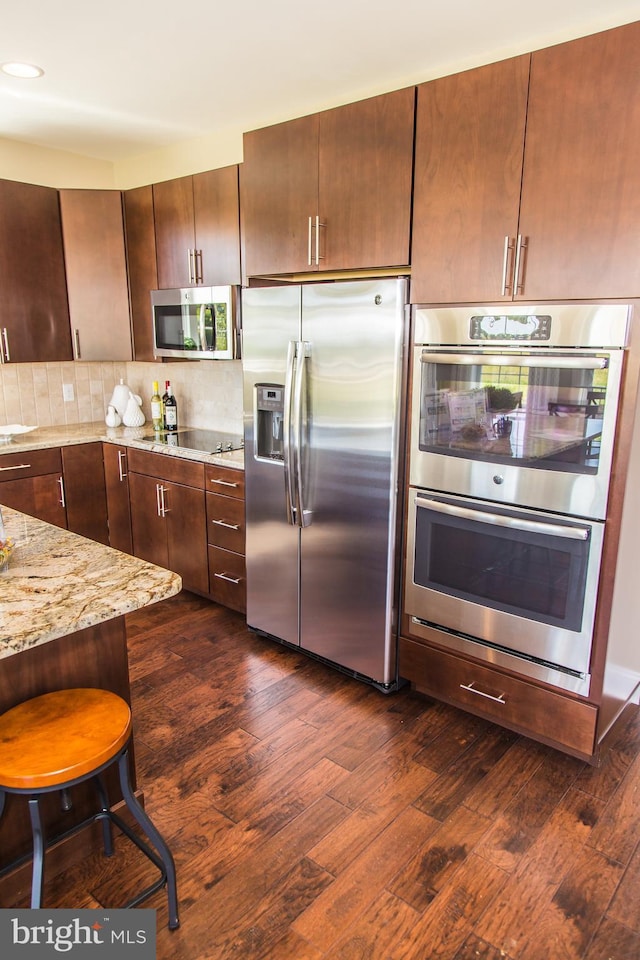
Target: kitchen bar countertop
{"points": [[58, 583], [61, 436]]}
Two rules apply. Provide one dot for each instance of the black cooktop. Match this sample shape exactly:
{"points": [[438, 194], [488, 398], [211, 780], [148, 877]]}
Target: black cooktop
{"points": [[206, 441]]}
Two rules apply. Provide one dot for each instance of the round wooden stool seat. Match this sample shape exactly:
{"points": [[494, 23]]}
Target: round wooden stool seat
{"points": [[61, 736]]}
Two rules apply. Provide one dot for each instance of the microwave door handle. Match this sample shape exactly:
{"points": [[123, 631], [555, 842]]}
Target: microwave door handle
{"points": [[299, 392], [502, 359], [201, 327], [499, 520], [288, 449]]}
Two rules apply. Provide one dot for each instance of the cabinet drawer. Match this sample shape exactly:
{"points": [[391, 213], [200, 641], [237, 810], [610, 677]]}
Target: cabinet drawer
{"points": [[516, 704], [225, 480], [227, 578], [165, 467], [31, 463], [225, 522]]}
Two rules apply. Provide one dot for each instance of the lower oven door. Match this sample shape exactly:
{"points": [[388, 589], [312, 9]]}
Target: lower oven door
{"points": [[510, 581]]}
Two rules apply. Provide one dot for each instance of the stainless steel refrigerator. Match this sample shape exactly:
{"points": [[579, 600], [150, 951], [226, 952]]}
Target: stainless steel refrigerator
{"points": [[323, 384]]}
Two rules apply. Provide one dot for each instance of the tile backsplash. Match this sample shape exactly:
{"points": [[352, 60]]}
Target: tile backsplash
{"points": [[209, 393]]}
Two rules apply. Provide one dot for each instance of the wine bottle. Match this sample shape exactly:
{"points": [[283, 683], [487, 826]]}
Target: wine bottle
{"points": [[156, 408], [170, 410]]}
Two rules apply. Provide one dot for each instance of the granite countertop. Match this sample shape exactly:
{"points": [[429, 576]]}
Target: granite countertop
{"points": [[61, 436], [58, 583]]}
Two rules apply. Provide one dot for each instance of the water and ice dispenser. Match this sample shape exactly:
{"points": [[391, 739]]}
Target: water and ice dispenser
{"points": [[270, 421]]}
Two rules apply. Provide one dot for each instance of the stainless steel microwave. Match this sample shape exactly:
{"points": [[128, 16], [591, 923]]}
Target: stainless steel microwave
{"points": [[195, 323]]}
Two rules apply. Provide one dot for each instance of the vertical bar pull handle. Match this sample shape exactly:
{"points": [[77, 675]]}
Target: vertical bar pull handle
{"points": [[76, 342], [6, 356], [506, 286], [522, 245], [318, 257], [198, 265], [121, 460], [63, 502], [309, 257]]}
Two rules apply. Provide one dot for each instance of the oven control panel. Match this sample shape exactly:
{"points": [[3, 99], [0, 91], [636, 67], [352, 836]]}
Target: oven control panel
{"points": [[529, 327]]}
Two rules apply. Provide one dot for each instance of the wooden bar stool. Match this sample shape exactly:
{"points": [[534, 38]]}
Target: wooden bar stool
{"points": [[60, 739]]}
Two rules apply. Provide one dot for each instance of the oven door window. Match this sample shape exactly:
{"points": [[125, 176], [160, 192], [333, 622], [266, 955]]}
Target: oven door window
{"points": [[518, 570], [539, 411]]}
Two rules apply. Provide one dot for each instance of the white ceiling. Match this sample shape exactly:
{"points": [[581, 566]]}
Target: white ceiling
{"points": [[128, 77]]}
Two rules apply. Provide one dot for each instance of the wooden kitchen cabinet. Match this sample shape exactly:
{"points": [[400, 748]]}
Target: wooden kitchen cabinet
{"points": [[116, 476], [553, 215], [35, 314], [168, 517], [331, 191], [140, 240], [93, 234], [64, 486], [197, 229], [226, 536]]}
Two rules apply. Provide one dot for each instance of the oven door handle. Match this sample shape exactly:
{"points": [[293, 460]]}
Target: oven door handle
{"points": [[498, 519], [517, 360]]}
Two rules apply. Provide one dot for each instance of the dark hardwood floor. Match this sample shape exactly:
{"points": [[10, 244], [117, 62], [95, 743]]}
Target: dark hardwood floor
{"points": [[313, 818]]}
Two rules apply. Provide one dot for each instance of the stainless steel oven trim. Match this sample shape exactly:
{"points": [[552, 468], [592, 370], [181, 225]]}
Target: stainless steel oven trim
{"points": [[578, 495], [480, 625]]}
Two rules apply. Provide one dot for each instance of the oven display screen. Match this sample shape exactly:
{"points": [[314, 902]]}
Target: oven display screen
{"points": [[510, 327]]}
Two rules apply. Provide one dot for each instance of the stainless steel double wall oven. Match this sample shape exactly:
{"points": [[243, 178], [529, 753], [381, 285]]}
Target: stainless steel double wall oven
{"points": [[512, 436]]}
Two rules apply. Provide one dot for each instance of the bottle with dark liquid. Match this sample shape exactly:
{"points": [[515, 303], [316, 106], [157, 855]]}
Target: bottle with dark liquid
{"points": [[170, 406]]}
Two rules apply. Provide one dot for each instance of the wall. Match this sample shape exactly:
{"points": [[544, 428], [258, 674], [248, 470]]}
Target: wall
{"points": [[209, 393]]}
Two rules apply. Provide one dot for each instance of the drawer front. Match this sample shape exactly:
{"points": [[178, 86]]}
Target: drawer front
{"points": [[227, 579], [165, 467], [224, 480], [225, 522], [31, 463], [514, 703]]}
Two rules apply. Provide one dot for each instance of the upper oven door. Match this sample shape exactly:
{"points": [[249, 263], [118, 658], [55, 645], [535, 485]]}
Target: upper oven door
{"points": [[533, 427]]}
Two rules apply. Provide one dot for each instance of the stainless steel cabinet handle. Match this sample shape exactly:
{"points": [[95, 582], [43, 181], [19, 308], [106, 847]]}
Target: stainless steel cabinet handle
{"points": [[76, 341], [309, 260], [163, 509], [499, 520], [17, 466], [224, 576], [122, 458], [63, 502], [228, 526], [198, 265], [318, 257], [519, 269], [470, 687], [224, 483], [6, 356], [506, 287]]}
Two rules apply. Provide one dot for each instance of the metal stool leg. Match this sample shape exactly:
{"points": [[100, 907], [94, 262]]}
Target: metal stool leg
{"points": [[155, 837], [37, 879], [107, 835]]}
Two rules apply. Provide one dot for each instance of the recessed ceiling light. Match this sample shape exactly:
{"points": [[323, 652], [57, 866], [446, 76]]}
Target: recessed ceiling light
{"points": [[25, 71]]}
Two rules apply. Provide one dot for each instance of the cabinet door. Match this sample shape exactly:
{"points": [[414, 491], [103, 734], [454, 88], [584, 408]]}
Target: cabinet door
{"points": [[117, 491], [187, 535], [93, 232], [365, 176], [148, 527], [217, 225], [85, 495], [35, 312], [142, 267], [278, 195], [581, 183], [39, 496], [470, 131], [175, 240]]}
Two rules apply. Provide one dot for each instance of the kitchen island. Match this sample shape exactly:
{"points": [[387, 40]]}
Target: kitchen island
{"points": [[63, 600]]}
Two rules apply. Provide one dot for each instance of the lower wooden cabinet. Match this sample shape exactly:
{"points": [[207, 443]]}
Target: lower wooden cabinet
{"points": [[537, 712], [64, 486], [116, 476], [226, 536]]}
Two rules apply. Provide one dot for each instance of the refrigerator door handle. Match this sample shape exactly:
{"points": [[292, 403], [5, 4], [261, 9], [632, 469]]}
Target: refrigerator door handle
{"points": [[299, 395], [288, 449]]}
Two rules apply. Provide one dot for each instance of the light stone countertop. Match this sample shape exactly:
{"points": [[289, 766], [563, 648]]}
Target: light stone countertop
{"points": [[58, 583], [61, 436]]}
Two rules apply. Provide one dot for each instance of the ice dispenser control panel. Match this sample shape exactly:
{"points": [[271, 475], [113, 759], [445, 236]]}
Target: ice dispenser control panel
{"points": [[269, 421]]}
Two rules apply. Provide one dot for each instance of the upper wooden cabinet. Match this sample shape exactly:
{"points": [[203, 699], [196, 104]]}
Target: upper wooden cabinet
{"points": [[197, 229], [35, 317], [553, 215], [93, 232], [331, 191], [141, 262]]}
